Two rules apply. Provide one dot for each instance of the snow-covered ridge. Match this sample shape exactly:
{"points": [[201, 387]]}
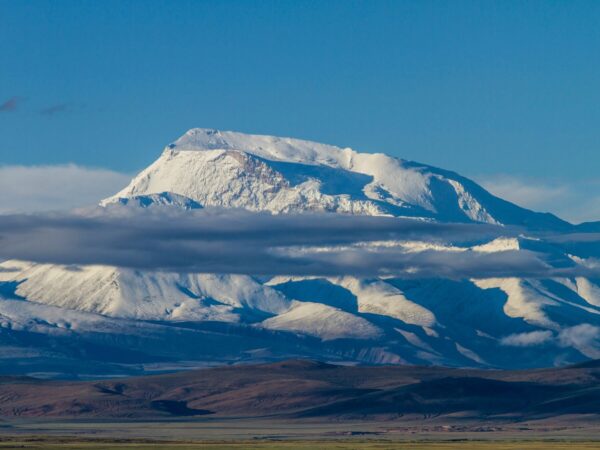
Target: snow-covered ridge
{"points": [[229, 169], [159, 199]]}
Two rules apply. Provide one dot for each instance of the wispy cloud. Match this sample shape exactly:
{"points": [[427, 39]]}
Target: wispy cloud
{"points": [[55, 109], [11, 104], [232, 241], [577, 201], [584, 337], [47, 188], [530, 339], [14, 103]]}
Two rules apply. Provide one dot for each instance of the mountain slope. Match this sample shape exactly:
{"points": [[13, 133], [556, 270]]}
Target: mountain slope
{"points": [[306, 389]]}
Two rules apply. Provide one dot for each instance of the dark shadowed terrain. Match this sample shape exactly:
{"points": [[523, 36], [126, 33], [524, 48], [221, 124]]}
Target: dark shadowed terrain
{"points": [[300, 390]]}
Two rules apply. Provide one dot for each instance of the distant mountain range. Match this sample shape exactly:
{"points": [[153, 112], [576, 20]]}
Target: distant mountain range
{"points": [[59, 321], [296, 390]]}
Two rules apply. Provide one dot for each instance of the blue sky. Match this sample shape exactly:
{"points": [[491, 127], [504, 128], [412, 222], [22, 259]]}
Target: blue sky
{"points": [[506, 92]]}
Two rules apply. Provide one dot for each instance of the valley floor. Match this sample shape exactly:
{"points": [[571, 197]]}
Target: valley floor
{"points": [[266, 434], [83, 444]]}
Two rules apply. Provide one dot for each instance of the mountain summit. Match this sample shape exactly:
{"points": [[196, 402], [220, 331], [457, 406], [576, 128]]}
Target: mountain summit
{"points": [[113, 320]]}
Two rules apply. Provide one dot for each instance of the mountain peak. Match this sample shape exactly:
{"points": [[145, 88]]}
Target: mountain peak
{"points": [[265, 146]]}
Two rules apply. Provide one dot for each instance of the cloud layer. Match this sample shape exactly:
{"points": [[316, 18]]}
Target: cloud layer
{"points": [[235, 241]]}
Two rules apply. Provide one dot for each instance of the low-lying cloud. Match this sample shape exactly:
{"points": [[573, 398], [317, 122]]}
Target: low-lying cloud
{"points": [[528, 339], [583, 337], [241, 242]]}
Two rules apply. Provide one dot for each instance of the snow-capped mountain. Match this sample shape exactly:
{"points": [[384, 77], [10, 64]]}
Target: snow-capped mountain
{"points": [[125, 320], [281, 175]]}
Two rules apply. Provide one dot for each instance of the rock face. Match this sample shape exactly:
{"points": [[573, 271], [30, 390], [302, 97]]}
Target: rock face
{"points": [[57, 319]]}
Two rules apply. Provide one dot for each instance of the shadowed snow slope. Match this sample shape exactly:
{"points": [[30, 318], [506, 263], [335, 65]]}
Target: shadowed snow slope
{"points": [[57, 319]]}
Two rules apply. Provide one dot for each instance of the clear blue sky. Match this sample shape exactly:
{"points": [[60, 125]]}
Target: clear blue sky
{"points": [[479, 87]]}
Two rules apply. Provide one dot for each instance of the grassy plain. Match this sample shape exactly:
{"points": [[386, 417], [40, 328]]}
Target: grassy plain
{"points": [[348, 444]]}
